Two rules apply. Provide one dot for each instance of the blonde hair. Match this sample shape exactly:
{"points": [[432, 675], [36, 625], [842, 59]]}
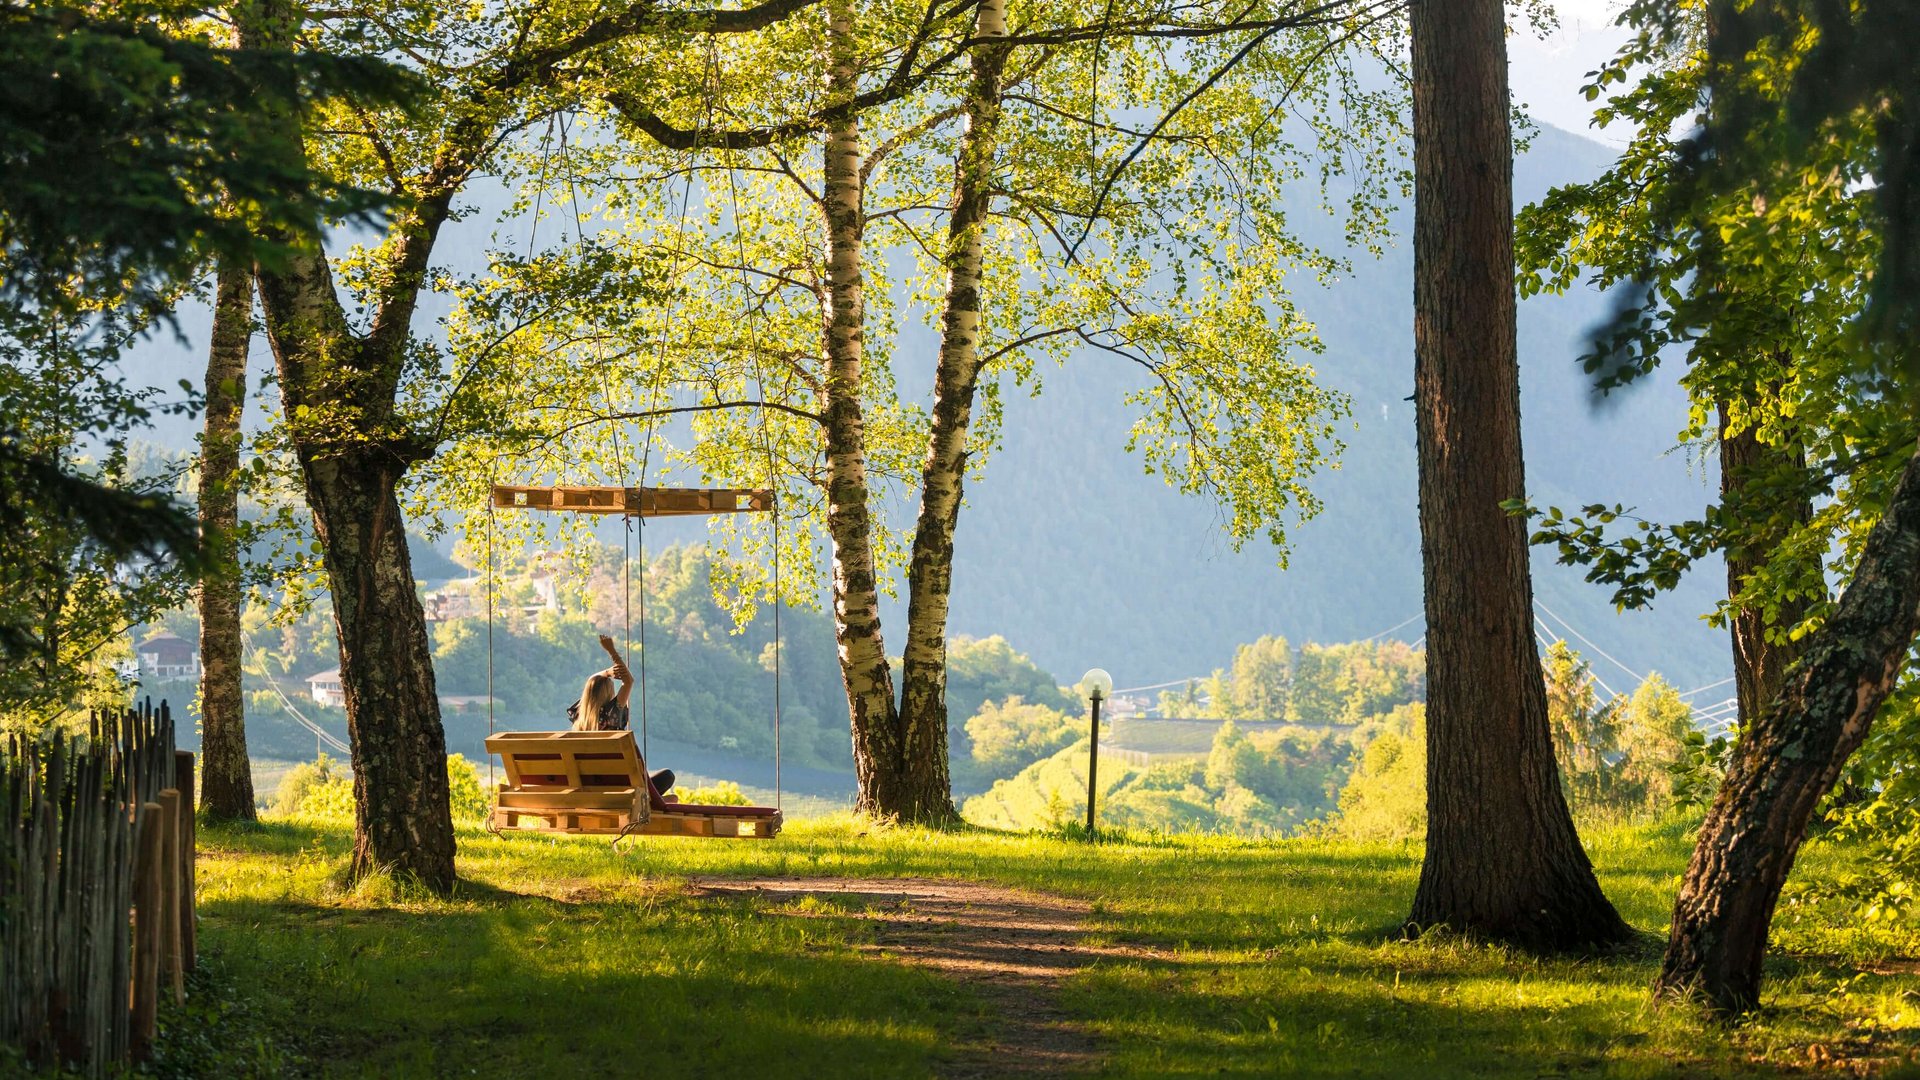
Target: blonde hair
{"points": [[597, 692]]}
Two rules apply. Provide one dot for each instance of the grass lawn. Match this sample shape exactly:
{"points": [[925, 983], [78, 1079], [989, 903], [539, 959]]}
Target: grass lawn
{"points": [[1219, 957]]}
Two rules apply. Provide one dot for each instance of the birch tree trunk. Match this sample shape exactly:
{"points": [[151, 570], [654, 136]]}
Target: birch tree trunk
{"points": [[226, 775], [890, 784], [1502, 859], [923, 703], [1790, 757]]}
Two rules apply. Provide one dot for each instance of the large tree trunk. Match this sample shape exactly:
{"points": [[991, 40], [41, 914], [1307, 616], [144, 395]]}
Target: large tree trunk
{"points": [[1788, 759], [1502, 859], [226, 775], [1759, 666], [338, 390], [923, 699], [893, 783], [402, 809], [402, 816]]}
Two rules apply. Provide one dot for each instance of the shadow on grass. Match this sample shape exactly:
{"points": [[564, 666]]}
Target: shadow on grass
{"points": [[1460, 1015], [514, 983], [272, 836]]}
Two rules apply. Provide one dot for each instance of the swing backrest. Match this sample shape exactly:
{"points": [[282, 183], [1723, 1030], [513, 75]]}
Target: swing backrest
{"points": [[580, 760]]}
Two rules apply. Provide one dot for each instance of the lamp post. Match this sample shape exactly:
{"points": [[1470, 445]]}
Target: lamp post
{"points": [[1096, 684]]}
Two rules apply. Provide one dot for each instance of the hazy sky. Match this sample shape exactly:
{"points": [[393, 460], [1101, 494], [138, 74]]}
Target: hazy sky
{"points": [[1548, 73]]}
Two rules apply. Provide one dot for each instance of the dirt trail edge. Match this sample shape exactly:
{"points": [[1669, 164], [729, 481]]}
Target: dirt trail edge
{"points": [[1014, 947]]}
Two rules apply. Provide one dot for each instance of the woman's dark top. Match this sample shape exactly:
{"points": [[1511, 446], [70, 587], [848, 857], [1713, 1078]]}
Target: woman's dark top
{"points": [[613, 716]]}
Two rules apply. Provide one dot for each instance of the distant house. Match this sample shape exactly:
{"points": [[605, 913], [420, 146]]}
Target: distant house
{"points": [[325, 688], [447, 604], [168, 656], [545, 577]]}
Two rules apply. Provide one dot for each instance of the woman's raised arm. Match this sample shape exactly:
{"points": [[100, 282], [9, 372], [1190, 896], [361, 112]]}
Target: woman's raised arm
{"points": [[619, 671]]}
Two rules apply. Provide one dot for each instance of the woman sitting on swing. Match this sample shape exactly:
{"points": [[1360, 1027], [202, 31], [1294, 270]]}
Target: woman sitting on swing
{"points": [[601, 708]]}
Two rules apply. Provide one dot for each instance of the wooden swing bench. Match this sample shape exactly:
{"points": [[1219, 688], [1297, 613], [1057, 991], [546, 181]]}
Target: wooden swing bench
{"points": [[595, 783]]}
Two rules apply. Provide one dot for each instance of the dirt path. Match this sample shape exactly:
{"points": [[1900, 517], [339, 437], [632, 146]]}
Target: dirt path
{"points": [[1015, 948]]}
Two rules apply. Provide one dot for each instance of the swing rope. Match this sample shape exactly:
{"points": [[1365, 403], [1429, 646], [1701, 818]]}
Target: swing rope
{"points": [[653, 394], [646, 443], [490, 524], [766, 429], [620, 460], [533, 234]]}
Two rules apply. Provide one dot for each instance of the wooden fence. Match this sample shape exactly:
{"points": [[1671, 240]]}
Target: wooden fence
{"points": [[96, 888]]}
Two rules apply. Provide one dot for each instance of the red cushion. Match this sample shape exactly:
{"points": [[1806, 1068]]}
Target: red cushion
{"points": [[697, 810]]}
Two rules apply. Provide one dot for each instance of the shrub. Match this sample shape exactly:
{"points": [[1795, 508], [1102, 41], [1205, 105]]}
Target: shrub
{"points": [[1171, 776], [331, 797], [471, 800], [324, 789], [1386, 796], [719, 793], [1013, 734], [304, 780]]}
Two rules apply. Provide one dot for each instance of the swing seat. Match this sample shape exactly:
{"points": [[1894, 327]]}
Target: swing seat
{"points": [[596, 783]]}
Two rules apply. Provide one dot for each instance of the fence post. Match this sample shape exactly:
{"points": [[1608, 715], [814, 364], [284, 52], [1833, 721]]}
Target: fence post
{"points": [[170, 974], [189, 931], [146, 932]]}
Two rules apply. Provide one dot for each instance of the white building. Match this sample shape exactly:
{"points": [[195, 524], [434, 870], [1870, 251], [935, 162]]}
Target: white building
{"points": [[168, 656], [325, 688]]}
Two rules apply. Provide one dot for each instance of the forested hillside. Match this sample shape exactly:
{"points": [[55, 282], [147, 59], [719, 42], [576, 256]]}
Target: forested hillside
{"points": [[707, 701]]}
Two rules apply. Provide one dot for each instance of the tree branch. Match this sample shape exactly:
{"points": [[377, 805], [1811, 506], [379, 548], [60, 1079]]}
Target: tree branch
{"points": [[904, 80], [1330, 13], [644, 18], [1377, 10], [712, 406]]}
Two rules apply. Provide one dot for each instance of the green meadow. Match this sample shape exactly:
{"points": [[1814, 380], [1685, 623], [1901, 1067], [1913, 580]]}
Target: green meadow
{"points": [[1209, 956]]}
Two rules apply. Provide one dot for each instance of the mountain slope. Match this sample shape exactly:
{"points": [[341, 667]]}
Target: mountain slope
{"points": [[1074, 554]]}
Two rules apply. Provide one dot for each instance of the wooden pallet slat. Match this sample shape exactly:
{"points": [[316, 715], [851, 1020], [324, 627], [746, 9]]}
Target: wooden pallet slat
{"points": [[633, 501], [568, 798]]}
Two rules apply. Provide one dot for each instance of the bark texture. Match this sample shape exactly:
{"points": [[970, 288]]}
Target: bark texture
{"points": [[894, 781], [1790, 757], [1502, 859], [338, 389], [1759, 666], [402, 812], [226, 774], [923, 698], [402, 816]]}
